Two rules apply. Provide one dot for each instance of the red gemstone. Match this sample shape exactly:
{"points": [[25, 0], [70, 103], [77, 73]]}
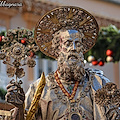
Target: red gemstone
{"points": [[109, 52], [23, 41], [95, 62], [32, 54]]}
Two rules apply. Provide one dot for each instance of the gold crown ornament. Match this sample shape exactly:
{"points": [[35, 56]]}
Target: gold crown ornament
{"points": [[69, 18]]}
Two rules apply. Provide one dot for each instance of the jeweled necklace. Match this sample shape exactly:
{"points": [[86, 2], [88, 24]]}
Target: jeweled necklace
{"points": [[70, 96]]}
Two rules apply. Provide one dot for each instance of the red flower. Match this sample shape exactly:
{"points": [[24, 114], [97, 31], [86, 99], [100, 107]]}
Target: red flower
{"points": [[23, 41]]}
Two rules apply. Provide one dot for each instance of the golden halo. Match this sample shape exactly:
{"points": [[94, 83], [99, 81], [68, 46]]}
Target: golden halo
{"points": [[69, 18]]}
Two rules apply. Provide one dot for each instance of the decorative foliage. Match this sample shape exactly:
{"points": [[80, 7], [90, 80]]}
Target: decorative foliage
{"points": [[108, 39], [10, 71], [109, 95], [31, 63], [16, 47]]}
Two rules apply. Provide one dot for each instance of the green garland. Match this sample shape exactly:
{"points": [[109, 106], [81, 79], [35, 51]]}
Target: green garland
{"points": [[108, 38]]}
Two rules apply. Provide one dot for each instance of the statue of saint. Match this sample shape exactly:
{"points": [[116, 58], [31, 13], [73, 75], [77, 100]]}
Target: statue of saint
{"points": [[65, 34]]}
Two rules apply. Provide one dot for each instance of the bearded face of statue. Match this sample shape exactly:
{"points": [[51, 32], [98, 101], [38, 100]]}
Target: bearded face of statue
{"points": [[70, 59]]}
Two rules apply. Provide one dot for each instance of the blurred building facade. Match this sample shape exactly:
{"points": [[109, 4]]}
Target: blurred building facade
{"points": [[31, 11]]}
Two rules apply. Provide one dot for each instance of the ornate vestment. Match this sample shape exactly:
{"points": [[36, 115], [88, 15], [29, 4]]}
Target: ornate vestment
{"points": [[55, 105]]}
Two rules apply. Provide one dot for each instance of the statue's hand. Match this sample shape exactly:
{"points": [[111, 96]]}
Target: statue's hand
{"points": [[15, 94]]}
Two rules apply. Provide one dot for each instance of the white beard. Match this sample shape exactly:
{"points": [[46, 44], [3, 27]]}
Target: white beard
{"points": [[71, 70]]}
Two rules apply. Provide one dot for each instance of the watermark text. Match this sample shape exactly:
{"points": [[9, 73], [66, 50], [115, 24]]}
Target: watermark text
{"points": [[9, 5]]}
